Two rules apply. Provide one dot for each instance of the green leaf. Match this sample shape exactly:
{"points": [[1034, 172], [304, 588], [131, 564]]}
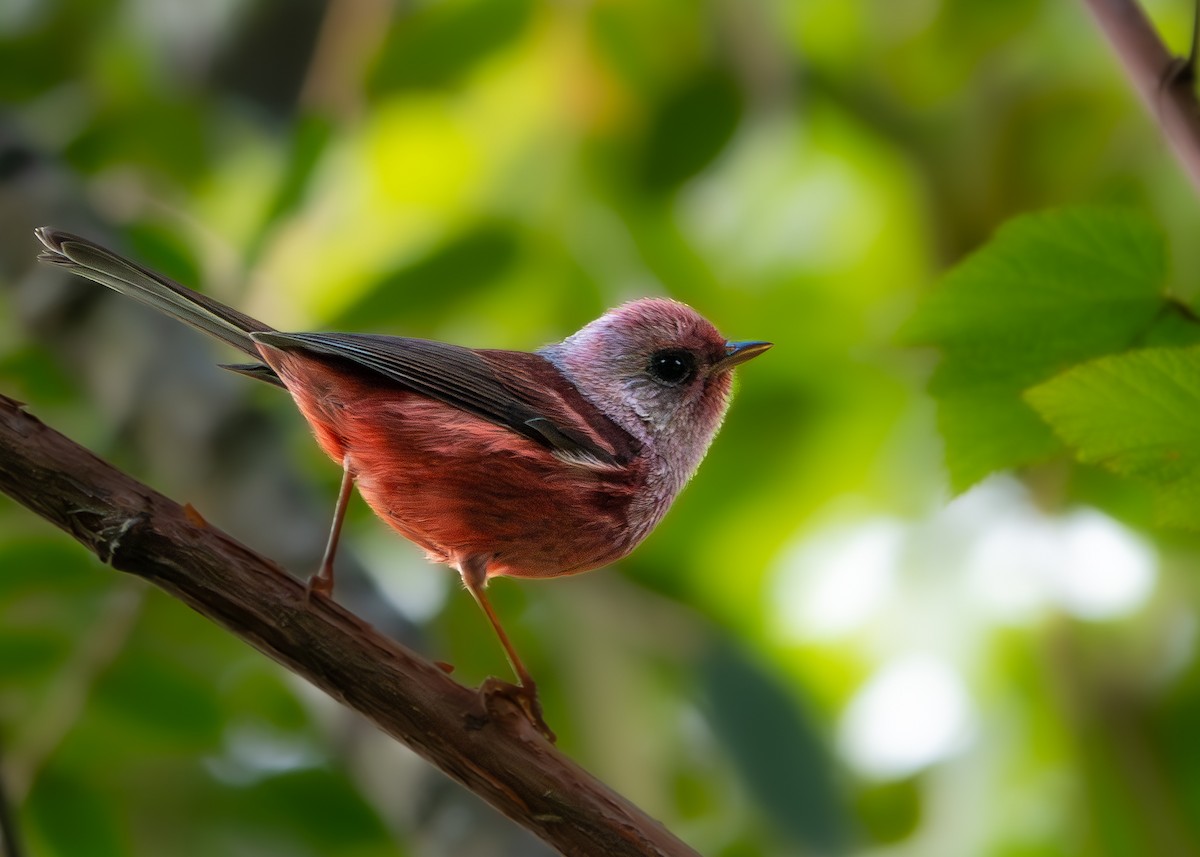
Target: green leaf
{"points": [[308, 143], [162, 250], [434, 44], [35, 565], [29, 653], [777, 746], [320, 807], [155, 696], [466, 264], [1049, 291], [1137, 414], [69, 816], [690, 128]]}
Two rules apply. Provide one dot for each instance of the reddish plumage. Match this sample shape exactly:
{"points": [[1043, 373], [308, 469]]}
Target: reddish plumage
{"points": [[494, 462], [459, 486]]}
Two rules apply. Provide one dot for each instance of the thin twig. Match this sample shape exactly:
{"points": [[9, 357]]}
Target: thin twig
{"points": [[482, 740], [1159, 78], [350, 34]]}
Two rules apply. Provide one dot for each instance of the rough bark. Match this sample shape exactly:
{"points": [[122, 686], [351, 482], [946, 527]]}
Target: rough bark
{"points": [[481, 740]]}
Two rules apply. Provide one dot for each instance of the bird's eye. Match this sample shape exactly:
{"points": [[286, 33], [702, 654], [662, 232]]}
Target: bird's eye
{"points": [[672, 367]]}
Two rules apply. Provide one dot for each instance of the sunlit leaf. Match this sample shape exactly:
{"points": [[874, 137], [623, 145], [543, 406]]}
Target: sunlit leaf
{"points": [[1049, 291], [463, 266], [309, 140], [1137, 414]]}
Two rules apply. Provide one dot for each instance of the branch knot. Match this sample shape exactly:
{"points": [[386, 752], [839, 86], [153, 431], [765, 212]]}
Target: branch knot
{"points": [[110, 536]]}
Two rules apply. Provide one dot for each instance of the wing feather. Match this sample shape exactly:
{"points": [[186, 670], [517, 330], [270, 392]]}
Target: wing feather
{"points": [[462, 378]]}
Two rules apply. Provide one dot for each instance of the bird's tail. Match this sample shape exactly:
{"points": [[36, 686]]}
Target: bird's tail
{"points": [[90, 260]]}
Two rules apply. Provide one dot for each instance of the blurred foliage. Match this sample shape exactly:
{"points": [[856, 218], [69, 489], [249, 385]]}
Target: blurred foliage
{"points": [[818, 652]]}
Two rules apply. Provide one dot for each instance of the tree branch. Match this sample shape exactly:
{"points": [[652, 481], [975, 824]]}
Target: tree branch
{"points": [[484, 742], [1164, 82]]}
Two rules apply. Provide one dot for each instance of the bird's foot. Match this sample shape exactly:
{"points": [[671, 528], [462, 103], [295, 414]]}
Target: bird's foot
{"points": [[319, 584], [524, 696]]}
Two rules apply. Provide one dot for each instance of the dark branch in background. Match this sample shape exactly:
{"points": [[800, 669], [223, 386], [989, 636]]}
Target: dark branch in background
{"points": [[1188, 72], [490, 748], [10, 845], [1165, 83]]}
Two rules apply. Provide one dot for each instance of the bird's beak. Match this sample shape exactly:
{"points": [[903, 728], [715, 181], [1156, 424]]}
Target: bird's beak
{"points": [[739, 352]]}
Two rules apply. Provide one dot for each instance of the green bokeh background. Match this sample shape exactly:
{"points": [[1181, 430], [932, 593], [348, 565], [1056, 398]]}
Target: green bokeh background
{"points": [[496, 173]]}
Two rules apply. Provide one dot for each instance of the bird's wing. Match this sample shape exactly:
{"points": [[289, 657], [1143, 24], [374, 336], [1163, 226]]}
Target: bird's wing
{"points": [[537, 402]]}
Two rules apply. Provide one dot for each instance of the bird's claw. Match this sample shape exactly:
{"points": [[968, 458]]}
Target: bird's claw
{"points": [[524, 696], [318, 584]]}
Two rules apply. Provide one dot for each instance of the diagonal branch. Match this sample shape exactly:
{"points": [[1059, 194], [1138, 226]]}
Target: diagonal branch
{"points": [[489, 748], [1164, 82]]}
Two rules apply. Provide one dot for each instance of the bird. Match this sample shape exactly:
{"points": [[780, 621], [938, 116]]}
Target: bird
{"points": [[494, 462]]}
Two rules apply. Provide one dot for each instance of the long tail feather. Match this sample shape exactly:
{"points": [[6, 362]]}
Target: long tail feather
{"points": [[88, 259]]}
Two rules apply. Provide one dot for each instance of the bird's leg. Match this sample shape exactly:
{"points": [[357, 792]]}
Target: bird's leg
{"points": [[322, 582], [474, 575]]}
